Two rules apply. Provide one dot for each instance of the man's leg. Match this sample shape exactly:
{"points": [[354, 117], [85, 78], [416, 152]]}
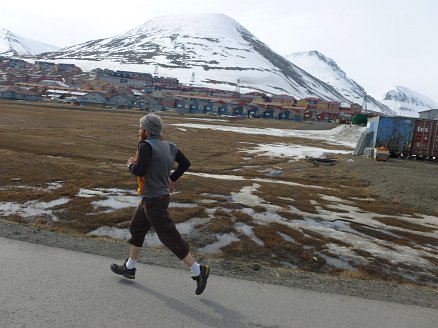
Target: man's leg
{"points": [[158, 216], [189, 260], [194, 266], [200, 273], [138, 227], [134, 254]]}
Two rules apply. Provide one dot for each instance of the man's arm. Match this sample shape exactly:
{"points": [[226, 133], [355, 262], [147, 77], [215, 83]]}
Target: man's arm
{"points": [[143, 158], [183, 165]]}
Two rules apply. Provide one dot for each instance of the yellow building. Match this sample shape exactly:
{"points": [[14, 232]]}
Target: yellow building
{"points": [[302, 103]]}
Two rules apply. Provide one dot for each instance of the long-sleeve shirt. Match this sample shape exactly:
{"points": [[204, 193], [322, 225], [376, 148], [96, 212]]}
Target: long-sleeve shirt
{"points": [[155, 159]]}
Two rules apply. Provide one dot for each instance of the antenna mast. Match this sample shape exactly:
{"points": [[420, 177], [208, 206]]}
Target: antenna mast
{"points": [[364, 105], [238, 86]]}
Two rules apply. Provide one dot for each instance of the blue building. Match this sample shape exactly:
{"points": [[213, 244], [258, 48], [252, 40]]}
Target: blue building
{"points": [[93, 98], [182, 105], [19, 94], [225, 109], [120, 100]]}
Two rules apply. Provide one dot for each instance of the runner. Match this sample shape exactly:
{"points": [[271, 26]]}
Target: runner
{"points": [[152, 165]]}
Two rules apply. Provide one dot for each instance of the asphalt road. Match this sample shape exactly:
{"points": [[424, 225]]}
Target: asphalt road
{"points": [[43, 287]]}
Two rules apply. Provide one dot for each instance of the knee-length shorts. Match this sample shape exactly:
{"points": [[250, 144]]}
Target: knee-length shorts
{"points": [[154, 212]]}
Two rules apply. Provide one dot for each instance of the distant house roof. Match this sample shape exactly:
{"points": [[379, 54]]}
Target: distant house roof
{"points": [[103, 94], [121, 95], [19, 91], [54, 83], [62, 92], [199, 97], [429, 110], [282, 96]]}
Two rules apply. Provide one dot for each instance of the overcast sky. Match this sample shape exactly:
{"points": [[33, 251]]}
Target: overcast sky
{"points": [[378, 43]]}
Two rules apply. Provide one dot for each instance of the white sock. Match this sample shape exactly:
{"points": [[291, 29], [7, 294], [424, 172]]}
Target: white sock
{"points": [[130, 264], [196, 271]]}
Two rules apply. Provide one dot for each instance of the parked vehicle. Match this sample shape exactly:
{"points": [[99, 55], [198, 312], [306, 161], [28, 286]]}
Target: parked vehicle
{"points": [[71, 99]]}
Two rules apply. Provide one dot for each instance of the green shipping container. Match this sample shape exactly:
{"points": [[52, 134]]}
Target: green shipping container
{"points": [[359, 119]]}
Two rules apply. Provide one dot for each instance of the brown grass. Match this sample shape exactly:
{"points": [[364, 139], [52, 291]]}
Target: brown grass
{"points": [[419, 239], [391, 221], [183, 214], [88, 148], [376, 233]]}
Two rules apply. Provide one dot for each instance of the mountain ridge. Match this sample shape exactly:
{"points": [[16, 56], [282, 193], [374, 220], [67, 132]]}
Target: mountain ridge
{"points": [[211, 50], [327, 70], [407, 102], [12, 44], [201, 44]]}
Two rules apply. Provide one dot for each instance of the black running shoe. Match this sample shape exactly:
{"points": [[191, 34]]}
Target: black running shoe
{"points": [[201, 280], [123, 270]]}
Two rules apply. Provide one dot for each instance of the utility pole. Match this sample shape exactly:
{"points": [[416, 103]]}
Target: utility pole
{"points": [[238, 86], [364, 105], [156, 71], [192, 79]]}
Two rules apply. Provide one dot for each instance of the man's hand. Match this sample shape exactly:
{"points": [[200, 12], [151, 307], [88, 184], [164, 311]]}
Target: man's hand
{"points": [[131, 160]]}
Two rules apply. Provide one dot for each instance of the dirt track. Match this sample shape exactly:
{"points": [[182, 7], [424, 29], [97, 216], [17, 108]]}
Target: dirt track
{"points": [[404, 183]]}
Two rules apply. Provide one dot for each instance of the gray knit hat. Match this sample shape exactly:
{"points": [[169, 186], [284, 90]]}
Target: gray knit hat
{"points": [[151, 123]]}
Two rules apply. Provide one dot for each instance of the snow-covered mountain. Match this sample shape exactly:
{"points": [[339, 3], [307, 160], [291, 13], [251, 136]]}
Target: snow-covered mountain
{"points": [[407, 102], [327, 70], [15, 45], [216, 48]]}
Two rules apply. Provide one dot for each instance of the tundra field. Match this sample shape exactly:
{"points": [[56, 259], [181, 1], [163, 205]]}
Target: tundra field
{"points": [[63, 168]]}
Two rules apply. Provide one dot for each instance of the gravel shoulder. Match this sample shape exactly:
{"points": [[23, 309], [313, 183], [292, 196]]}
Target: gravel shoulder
{"points": [[411, 184], [376, 290]]}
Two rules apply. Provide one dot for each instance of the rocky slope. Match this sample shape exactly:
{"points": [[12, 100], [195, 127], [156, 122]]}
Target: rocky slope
{"points": [[209, 50], [12, 44], [328, 71], [407, 102]]}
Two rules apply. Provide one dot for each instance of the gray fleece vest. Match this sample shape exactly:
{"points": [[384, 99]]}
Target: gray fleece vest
{"points": [[156, 182]]}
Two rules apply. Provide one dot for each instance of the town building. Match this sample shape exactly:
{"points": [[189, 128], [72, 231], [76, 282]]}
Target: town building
{"points": [[14, 93], [431, 114]]}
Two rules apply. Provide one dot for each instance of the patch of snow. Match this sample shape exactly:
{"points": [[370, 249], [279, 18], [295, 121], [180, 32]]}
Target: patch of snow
{"points": [[240, 178], [182, 205], [32, 209], [297, 152], [286, 237], [54, 185], [343, 135], [334, 199], [337, 226], [247, 230], [124, 234], [222, 241], [50, 187], [152, 239], [246, 197], [115, 198], [273, 172], [336, 262], [363, 199]]}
